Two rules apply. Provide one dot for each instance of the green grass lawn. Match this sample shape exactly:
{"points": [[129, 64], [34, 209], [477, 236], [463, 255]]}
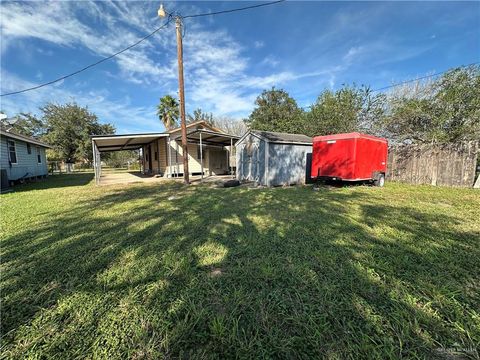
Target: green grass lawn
{"points": [[164, 271]]}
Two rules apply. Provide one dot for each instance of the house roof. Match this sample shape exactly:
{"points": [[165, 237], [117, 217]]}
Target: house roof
{"points": [[284, 138], [4, 131], [195, 124]]}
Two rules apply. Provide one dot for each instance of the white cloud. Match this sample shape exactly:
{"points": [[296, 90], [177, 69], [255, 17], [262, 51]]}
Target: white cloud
{"points": [[126, 118], [270, 61], [116, 26], [263, 82], [217, 74], [383, 51], [258, 44], [353, 52], [216, 65]]}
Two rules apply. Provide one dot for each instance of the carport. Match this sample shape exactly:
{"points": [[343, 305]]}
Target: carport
{"points": [[107, 143]]}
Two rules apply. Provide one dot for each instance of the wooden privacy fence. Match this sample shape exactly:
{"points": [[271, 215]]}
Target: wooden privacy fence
{"points": [[450, 165]]}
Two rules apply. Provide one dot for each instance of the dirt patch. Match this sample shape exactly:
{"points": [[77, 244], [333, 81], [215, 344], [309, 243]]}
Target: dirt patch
{"points": [[215, 272]]}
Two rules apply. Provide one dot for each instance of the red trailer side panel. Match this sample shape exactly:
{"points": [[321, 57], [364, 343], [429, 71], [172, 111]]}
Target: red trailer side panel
{"points": [[351, 156], [333, 158], [371, 157]]}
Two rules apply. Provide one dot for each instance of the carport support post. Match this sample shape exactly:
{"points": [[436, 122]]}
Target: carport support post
{"points": [[176, 161], [267, 153], [94, 156], [201, 156], [170, 157], [96, 162], [230, 157], [99, 163], [99, 159]]}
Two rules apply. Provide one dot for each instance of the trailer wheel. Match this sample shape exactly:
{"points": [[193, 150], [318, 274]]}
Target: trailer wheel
{"points": [[379, 180]]}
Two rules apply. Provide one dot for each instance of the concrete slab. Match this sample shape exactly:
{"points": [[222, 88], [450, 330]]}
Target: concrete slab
{"points": [[124, 177], [110, 178]]}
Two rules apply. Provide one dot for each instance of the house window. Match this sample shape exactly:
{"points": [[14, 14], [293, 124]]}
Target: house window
{"points": [[12, 151], [156, 155], [29, 149], [39, 156], [146, 157]]}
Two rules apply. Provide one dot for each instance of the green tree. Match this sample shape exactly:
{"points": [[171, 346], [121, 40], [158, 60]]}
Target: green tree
{"points": [[26, 124], [68, 129], [276, 111], [348, 109], [199, 115], [168, 111], [445, 110], [119, 159]]}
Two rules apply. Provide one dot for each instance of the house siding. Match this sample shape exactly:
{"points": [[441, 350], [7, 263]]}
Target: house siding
{"points": [[157, 167], [163, 155], [27, 165], [155, 162], [214, 159], [170, 157], [217, 160], [194, 165]]}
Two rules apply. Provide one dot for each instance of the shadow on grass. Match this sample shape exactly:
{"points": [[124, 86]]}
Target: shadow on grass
{"points": [[239, 273], [57, 181], [342, 184]]}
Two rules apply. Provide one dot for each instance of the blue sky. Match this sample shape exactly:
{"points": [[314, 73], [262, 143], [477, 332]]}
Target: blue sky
{"points": [[300, 46]]}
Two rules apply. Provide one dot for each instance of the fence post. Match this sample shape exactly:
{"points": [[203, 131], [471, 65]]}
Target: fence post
{"points": [[434, 168]]}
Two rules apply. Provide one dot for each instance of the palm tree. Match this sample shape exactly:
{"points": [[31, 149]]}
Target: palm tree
{"points": [[167, 111]]}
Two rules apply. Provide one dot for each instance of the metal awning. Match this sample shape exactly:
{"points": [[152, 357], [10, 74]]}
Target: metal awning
{"points": [[208, 137], [124, 142], [203, 137]]}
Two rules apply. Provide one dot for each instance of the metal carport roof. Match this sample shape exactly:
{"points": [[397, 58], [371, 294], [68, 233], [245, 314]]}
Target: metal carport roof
{"points": [[125, 141], [208, 137]]}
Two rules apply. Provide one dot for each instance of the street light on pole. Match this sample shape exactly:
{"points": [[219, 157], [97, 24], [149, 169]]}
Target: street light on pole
{"points": [[181, 90]]}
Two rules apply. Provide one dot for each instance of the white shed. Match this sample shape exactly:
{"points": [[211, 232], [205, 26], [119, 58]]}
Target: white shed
{"points": [[273, 159]]}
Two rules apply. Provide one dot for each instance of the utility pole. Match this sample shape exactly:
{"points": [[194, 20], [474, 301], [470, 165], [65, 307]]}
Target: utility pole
{"points": [[181, 93]]}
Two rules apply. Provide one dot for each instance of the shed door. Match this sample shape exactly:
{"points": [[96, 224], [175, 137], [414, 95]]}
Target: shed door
{"points": [[251, 162]]}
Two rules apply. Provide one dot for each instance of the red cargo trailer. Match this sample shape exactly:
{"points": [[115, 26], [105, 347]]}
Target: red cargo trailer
{"points": [[350, 157]]}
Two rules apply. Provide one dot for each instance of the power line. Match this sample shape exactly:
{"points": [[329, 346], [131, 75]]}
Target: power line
{"points": [[135, 44], [234, 10], [422, 77]]}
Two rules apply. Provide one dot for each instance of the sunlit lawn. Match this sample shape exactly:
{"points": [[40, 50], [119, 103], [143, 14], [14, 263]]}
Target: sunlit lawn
{"points": [[163, 271]]}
